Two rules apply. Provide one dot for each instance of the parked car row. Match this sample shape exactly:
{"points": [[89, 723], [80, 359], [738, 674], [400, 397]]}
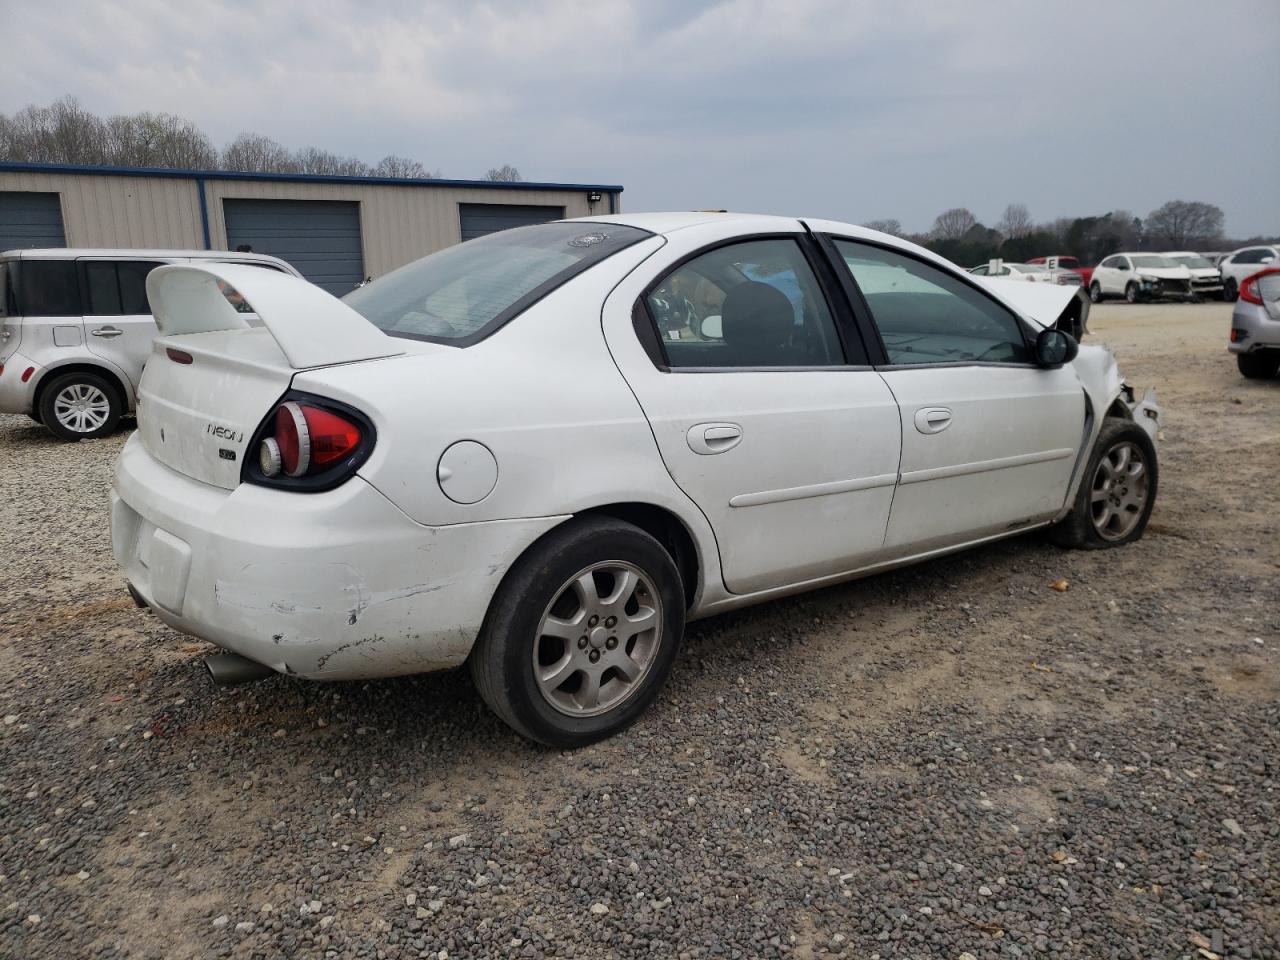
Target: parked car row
{"points": [[1137, 276]]}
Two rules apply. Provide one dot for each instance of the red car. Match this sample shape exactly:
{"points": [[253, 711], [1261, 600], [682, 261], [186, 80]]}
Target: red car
{"points": [[1069, 263]]}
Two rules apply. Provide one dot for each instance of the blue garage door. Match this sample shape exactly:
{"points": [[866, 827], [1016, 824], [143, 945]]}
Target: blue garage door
{"points": [[321, 238], [30, 220], [481, 218]]}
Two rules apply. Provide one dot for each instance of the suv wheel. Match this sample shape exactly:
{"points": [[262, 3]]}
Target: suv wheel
{"points": [[1095, 292], [582, 633], [80, 406], [1230, 291], [1131, 292]]}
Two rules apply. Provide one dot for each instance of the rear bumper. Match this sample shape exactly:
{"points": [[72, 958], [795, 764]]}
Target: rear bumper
{"points": [[1253, 329], [16, 396], [335, 585]]}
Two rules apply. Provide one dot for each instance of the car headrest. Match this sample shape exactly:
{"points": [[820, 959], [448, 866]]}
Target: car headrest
{"points": [[756, 314]]}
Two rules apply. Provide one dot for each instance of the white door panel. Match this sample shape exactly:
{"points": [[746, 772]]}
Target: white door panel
{"points": [[793, 468], [806, 489], [1003, 459]]}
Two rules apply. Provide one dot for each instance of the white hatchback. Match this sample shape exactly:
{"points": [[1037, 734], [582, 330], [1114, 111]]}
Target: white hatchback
{"points": [[76, 329], [542, 452]]}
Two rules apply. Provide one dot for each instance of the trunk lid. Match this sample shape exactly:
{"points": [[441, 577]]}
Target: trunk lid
{"points": [[215, 373]]}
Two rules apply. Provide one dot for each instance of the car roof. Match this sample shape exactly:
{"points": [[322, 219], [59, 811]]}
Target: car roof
{"points": [[669, 222], [126, 253]]}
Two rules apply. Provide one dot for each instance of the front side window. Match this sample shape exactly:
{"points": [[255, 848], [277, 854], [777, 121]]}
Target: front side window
{"points": [[48, 288], [926, 315], [750, 304], [464, 293]]}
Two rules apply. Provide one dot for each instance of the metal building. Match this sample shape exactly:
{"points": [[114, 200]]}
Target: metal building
{"points": [[335, 230]]}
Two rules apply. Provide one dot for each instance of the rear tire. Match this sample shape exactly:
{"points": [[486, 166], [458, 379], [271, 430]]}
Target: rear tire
{"points": [[1115, 498], [1230, 291], [1259, 365], [582, 633], [80, 406], [1131, 293], [1095, 292]]}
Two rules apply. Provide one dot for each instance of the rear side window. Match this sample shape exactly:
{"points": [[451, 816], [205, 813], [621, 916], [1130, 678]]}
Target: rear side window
{"points": [[48, 288], [464, 293], [745, 305], [8, 301], [925, 315], [115, 289]]}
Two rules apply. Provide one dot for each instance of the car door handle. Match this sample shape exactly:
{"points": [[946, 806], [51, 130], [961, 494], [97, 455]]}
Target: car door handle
{"points": [[933, 419], [709, 438], [107, 332]]}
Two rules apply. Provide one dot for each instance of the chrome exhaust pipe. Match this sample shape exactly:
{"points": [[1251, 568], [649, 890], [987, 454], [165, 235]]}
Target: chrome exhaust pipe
{"points": [[231, 669]]}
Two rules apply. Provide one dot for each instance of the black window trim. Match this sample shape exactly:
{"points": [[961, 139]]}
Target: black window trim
{"points": [[867, 324], [645, 323]]}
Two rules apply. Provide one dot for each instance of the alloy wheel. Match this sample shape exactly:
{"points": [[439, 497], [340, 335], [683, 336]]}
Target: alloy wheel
{"points": [[597, 639], [1119, 491]]}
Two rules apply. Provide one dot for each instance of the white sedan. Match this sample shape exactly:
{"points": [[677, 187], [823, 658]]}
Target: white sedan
{"points": [[542, 452], [1027, 272]]}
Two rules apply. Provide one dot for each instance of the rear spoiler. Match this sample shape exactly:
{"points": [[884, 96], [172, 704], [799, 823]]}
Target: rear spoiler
{"points": [[1049, 305], [312, 327]]}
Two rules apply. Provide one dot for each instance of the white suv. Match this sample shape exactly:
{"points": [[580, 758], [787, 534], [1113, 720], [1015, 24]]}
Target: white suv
{"points": [[1243, 263], [76, 328], [1139, 276]]}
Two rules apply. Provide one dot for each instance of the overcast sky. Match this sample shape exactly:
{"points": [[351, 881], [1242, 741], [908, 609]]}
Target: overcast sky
{"points": [[849, 109]]}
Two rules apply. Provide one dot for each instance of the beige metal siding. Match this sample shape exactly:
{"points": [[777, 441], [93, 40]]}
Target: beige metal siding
{"points": [[106, 211], [397, 223]]}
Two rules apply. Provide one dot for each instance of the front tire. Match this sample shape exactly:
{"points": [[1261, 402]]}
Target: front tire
{"points": [[1230, 290], [581, 634], [1117, 493], [80, 406], [1131, 293], [1259, 365], [1095, 292]]}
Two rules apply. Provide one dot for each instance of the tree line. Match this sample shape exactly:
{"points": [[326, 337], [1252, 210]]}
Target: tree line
{"points": [[959, 236], [65, 132]]}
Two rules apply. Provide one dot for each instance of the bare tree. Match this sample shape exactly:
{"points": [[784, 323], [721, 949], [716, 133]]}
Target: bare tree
{"points": [[402, 168], [316, 161], [64, 132], [1016, 221], [891, 227], [953, 224], [254, 153], [505, 173], [1182, 223]]}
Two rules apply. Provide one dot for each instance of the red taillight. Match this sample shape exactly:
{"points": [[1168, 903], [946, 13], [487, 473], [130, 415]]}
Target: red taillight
{"points": [[1249, 289], [26, 374], [332, 436], [306, 439]]}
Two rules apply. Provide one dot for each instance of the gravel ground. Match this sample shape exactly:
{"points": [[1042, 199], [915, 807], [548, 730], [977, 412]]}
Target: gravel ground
{"points": [[949, 761]]}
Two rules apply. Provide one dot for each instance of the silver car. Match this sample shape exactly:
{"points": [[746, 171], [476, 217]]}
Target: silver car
{"points": [[76, 328], [1255, 325]]}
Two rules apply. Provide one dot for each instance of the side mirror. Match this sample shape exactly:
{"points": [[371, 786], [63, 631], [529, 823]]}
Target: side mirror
{"points": [[1054, 348]]}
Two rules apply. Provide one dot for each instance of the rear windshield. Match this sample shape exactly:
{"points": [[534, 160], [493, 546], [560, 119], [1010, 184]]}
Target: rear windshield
{"points": [[461, 295]]}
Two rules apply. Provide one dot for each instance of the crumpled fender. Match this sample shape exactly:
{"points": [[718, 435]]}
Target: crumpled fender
{"points": [[312, 327]]}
